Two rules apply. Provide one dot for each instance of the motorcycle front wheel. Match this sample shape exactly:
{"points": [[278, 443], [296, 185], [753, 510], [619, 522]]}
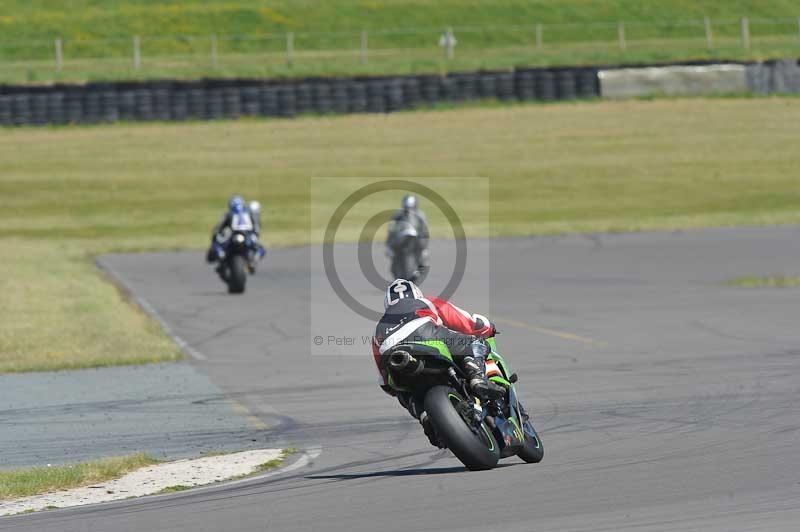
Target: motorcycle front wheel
{"points": [[533, 450], [237, 276], [476, 447]]}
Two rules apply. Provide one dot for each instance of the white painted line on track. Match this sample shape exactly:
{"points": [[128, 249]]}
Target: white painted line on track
{"points": [[183, 345]]}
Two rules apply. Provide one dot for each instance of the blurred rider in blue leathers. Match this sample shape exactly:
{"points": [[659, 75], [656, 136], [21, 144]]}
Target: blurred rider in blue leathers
{"points": [[242, 218]]}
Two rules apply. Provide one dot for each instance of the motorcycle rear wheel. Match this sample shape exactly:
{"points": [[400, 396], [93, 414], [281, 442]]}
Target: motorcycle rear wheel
{"points": [[477, 450]]}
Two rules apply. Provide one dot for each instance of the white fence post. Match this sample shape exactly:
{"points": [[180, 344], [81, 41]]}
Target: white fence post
{"points": [[709, 35], [137, 52], [798, 27], [214, 50], [450, 44], [364, 45], [539, 35], [621, 34], [59, 55], [745, 33], [289, 48]]}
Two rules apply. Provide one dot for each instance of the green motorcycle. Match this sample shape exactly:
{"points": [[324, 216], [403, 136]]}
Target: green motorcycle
{"points": [[478, 432]]}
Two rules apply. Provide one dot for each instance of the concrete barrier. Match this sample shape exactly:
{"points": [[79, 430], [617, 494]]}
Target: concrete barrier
{"points": [[673, 80]]}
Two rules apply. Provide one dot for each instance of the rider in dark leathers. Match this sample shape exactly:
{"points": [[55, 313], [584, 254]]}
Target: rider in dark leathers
{"points": [[411, 213], [410, 316]]}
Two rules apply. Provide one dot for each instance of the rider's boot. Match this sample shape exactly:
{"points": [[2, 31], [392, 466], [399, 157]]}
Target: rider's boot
{"points": [[475, 368]]}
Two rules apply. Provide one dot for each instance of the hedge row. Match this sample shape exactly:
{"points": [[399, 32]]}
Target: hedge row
{"points": [[218, 99]]}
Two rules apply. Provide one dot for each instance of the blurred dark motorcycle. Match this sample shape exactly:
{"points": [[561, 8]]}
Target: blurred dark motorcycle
{"points": [[405, 251]]}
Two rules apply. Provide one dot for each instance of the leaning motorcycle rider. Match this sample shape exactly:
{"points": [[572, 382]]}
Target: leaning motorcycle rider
{"points": [[410, 316], [242, 218], [411, 213]]}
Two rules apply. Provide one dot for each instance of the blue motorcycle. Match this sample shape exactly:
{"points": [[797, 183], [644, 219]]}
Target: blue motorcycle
{"points": [[237, 255]]}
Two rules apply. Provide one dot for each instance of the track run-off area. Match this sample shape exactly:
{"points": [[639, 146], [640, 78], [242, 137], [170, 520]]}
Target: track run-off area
{"points": [[666, 399]]}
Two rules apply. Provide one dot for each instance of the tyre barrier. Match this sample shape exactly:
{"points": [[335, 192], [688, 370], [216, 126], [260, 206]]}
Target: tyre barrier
{"points": [[566, 86], [356, 97], [339, 98], [321, 97], [287, 102], [546, 86], [231, 99]]}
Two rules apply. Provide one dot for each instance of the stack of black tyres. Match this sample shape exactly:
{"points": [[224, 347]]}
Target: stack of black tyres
{"points": [[143, 109], [73, 105], [268, 98], [22, 109], [546, 85], [430, 89], [215, 99], [411, 92], [376, 101], [126, 103], [215, 108], [39, 115], [231, 102], [505, 86], [6, 114], [466, 86], [109, 107], [249, 96], [448, 87], [92, 112], [357, 96], [588, 83], [525, 84], [487, 85], [395, 100], [179, 102], [161, 101], [567, 88], [55, 107], [339, 97], [287, 101], [197, 102], [303, 98], [321, 97]]}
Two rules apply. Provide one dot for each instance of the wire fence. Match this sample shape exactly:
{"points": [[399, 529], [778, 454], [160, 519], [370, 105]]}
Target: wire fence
{"points": [[372, 47]]}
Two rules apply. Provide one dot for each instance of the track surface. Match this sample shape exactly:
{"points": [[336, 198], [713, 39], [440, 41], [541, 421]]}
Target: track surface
{"points": [[666, 400], [169, 411]]}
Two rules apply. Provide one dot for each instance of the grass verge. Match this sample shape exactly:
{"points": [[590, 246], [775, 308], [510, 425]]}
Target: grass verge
{"points": [[70, 193], [37, 480], [772, 281], [275, 462], [403, 35]]}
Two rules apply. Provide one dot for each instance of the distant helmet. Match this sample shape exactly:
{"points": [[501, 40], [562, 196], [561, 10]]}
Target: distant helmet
{"points": [[255, 207], [409, 202], [236, 204], [401, 289]]}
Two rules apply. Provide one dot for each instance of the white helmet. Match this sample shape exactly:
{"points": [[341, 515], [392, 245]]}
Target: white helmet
{"points": [[255, 207], [401, 289], [409, 202]]}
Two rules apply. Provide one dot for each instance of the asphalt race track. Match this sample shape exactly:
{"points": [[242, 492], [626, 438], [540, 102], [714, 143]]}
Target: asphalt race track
{"points": [[666, 400]]}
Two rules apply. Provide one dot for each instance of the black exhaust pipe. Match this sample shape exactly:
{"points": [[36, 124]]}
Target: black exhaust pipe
{"points": [[403, 362]]}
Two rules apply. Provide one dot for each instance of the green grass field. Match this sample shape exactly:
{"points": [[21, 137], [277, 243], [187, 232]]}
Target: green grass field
{"points": [[772, 281], [15, 484], [402, 35], [69, 193]]}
